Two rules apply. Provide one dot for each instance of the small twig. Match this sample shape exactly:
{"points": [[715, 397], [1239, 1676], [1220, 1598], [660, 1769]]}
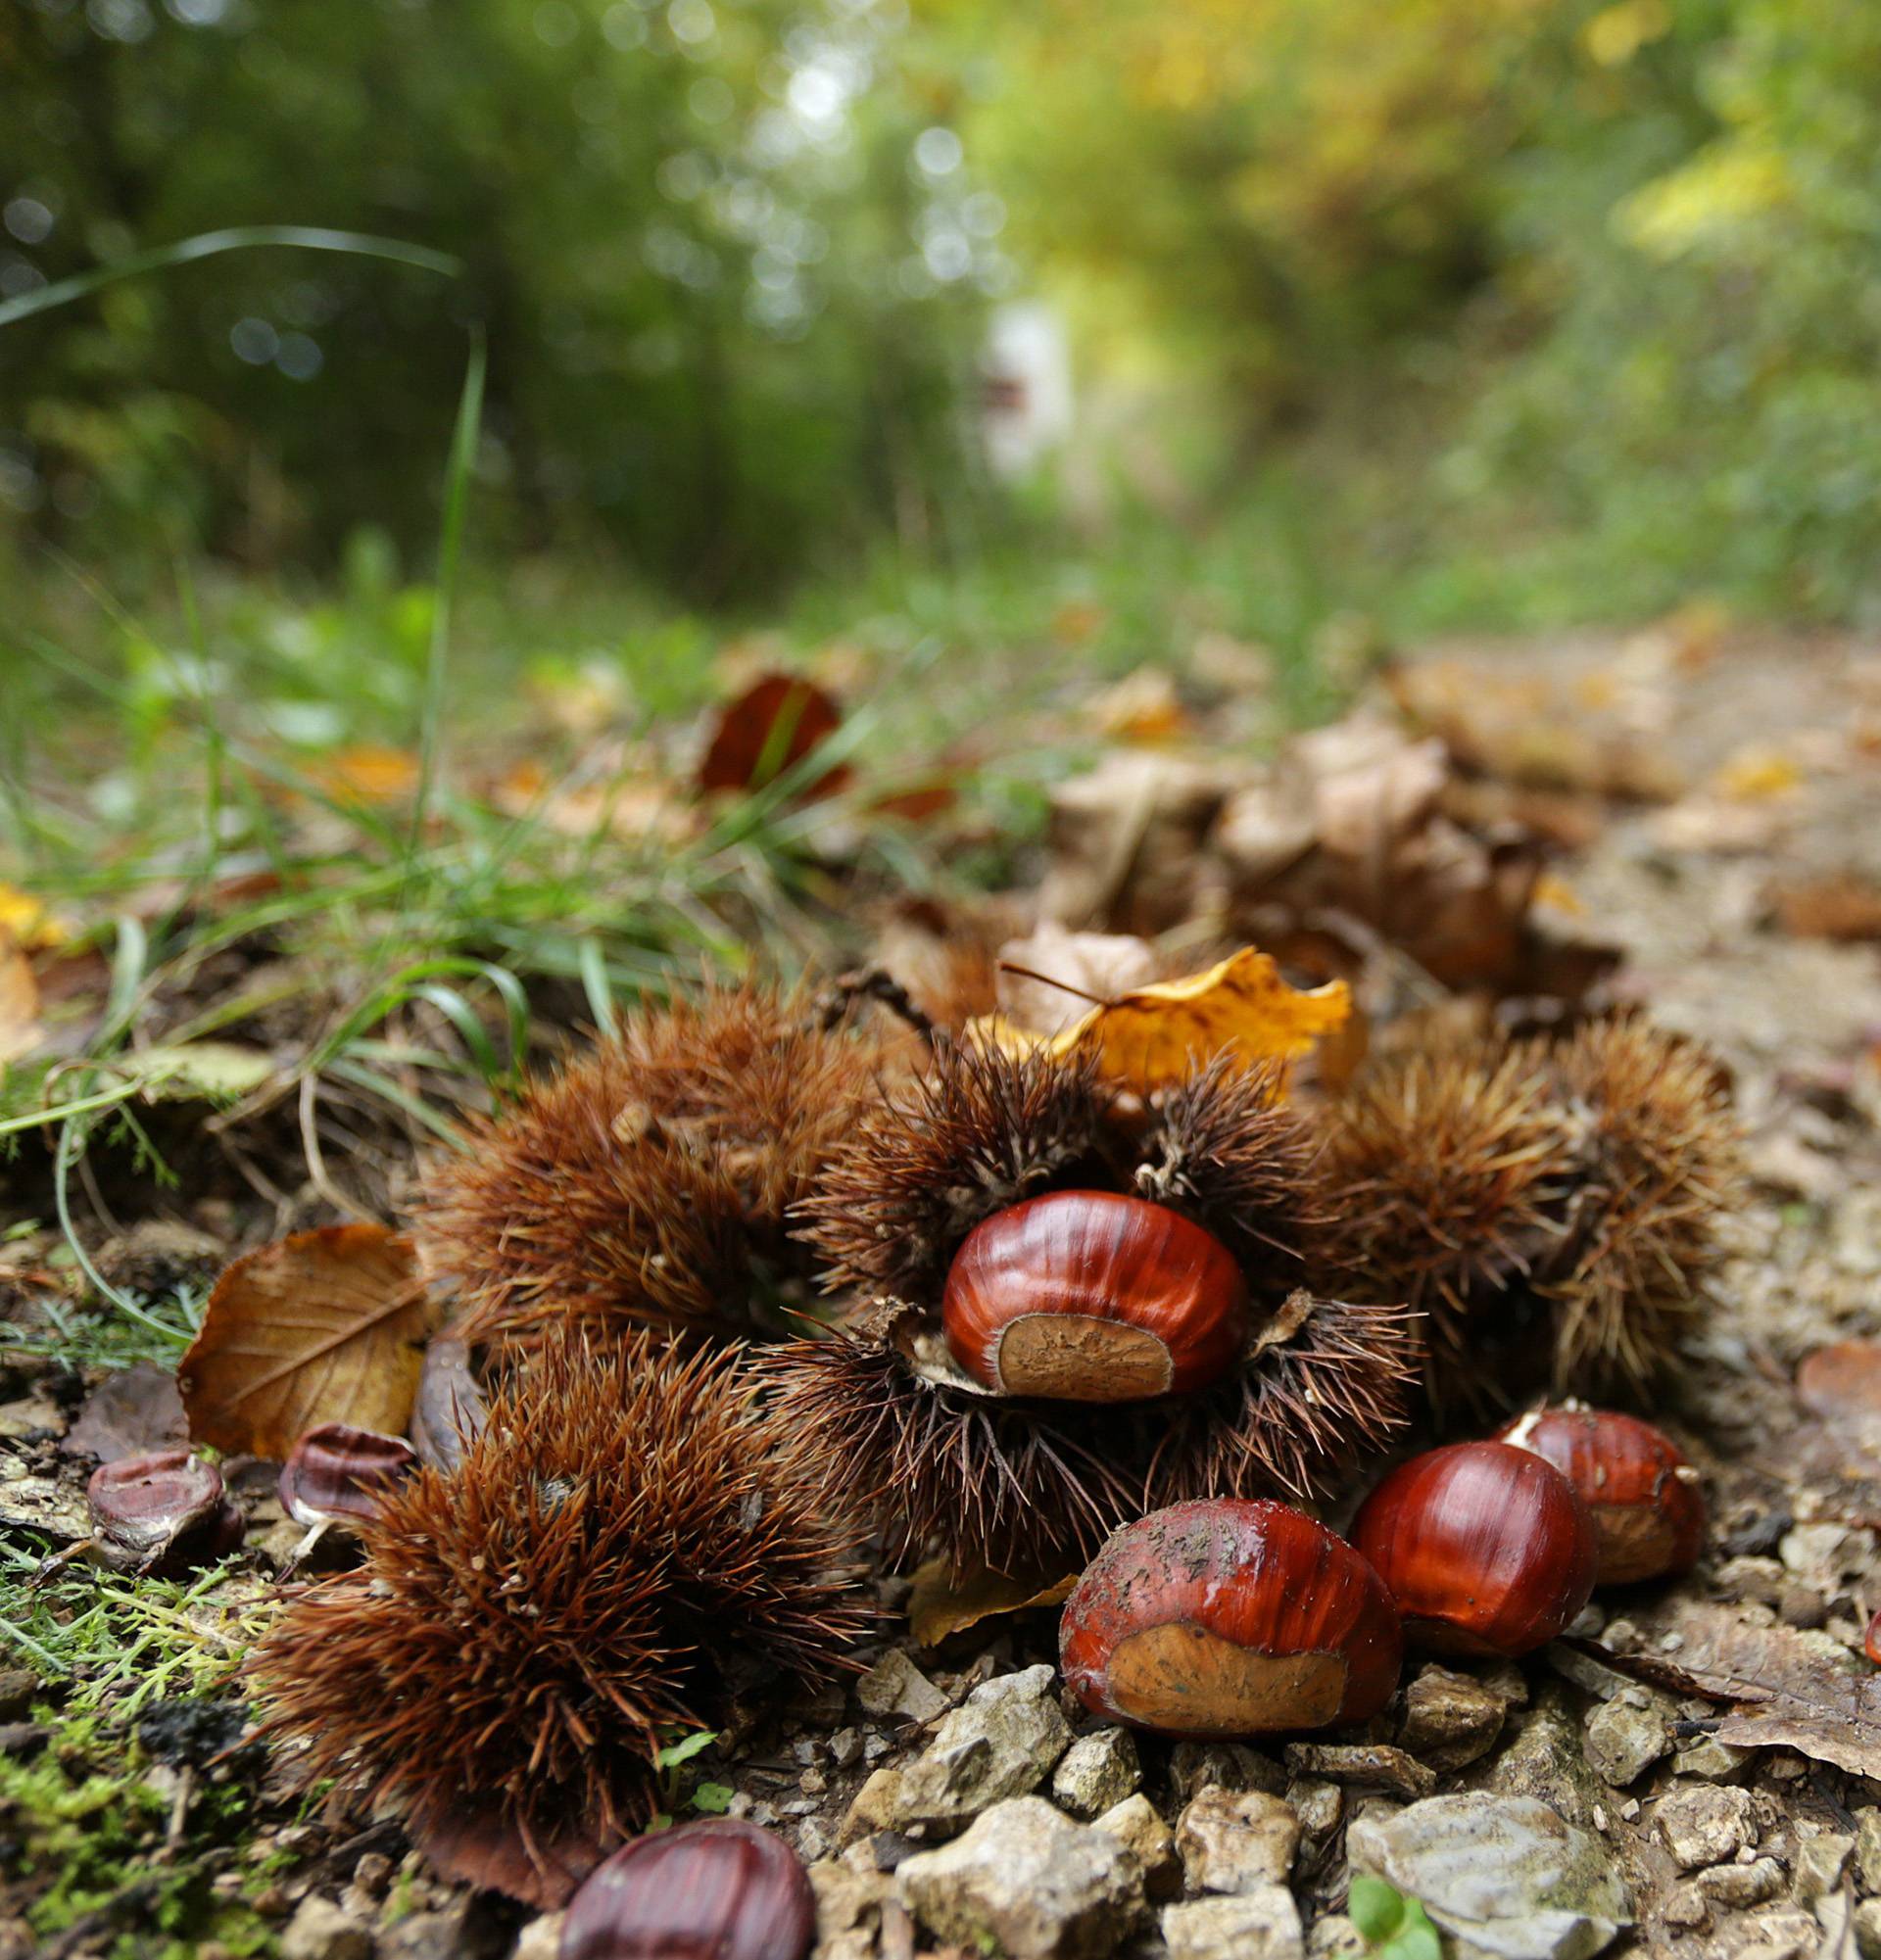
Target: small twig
{"points": [[1048, 980], [875, 984]]}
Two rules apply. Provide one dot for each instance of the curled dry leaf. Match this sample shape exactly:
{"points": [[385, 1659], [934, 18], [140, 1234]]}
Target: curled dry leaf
{"points": [[1049, 979], [949, 1600], [1786, 1687], [1155, 1035], [325, 1326], [771, 727]]}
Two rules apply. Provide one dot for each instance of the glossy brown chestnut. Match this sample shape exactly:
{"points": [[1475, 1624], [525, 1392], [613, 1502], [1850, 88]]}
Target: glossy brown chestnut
{"points": [[1091, 1296], [1641, 1493], [1487, 1549], [163, 1512], [337, 1474], [719, 1890], [1230, 1616]]}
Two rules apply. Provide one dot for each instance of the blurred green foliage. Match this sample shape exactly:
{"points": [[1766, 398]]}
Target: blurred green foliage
{"points": [[1570, 305], [690, 232]]}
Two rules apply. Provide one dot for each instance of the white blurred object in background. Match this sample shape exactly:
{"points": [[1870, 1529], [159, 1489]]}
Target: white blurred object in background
{"points": [[1026, 397]]}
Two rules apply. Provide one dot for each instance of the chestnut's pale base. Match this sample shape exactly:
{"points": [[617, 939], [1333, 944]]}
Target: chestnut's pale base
{"points": [[1181, 1680], [1635, 1542], [1078, 1358]]}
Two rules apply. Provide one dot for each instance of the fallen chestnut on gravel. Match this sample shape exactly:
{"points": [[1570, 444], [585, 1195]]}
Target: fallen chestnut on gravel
{"points": [[1486, 1549], [1641, 1493], [719, 1890], [1093, 1296], [336, 1475], [161, 1512], [1228, 1616]]}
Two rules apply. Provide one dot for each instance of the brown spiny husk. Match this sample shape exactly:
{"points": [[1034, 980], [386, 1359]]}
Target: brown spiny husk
{"points": [[628, 1523], [1015, 1483], [650, 1183], [1023, 1485], [981, 1130], [1552, 1206]]}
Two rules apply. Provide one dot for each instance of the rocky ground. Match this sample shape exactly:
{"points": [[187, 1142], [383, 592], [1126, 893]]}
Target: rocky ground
{"points": [[1696, 1769]]}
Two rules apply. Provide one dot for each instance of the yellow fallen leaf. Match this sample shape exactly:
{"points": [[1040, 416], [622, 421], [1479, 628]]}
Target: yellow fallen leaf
{"points": [[1157, 1034], [324, 1327], [20, 1030], [1755, 773], [368, 772], [27, 922], [1144, 706]]}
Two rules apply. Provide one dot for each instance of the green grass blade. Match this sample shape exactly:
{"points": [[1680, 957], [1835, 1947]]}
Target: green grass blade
{"points": [[208, 244]]}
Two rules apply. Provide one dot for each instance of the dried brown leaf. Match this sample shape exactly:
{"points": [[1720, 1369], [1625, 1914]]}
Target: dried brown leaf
{"points": [[768, 728], [949, 1600], [325, 1326], [1787, 1689]]}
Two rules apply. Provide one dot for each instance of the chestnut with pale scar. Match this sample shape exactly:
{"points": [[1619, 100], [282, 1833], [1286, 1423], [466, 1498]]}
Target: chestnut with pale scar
{"points": [[1093, 1296], [1225, 1617]]}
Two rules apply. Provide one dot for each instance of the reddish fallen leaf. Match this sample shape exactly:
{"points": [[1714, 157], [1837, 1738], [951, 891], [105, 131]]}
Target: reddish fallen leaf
{"points": [[478, 1848], [325, 1326], [128, 1414], [768, 728]]}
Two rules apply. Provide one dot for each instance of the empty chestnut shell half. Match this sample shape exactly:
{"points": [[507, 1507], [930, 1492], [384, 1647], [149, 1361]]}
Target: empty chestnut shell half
{"points": [[1230, 1616], [719, 1890], [337, 1474], [1092, 1296], [1641, 1493], [1487, 1548], [163, 1512]]}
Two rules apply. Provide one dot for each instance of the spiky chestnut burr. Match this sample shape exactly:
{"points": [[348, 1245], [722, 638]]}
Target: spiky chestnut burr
{"points": [[628, 1526], [1552, 1206], [1018, 1482], [650, 1183]]}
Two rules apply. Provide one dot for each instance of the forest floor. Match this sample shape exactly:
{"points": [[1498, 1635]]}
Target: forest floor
{"points": [[1712, 806]]}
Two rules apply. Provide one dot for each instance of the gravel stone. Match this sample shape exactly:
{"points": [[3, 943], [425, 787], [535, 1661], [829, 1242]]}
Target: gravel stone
{"points": [[1193, 1766], [1704, 1827], [1449, 1719], [320, 1931], [1261, 1925], [894, 1686], [1002, 1741], [1623, 1742], [1714, 1761], [1545, 1761], [1138, 1826], [1739, 1885], [1773, 1936], [1362, 1762], [1867, 1849], [1502, 1874], [1867, 1929], [1027, 1883], [1236, 1841], [541, 1938], [1096, 1773], [1818, 1865]]}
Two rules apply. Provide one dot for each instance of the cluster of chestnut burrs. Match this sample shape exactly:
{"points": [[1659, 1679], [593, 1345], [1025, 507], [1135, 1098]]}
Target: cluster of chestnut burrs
{"points": [[755, 1283]]}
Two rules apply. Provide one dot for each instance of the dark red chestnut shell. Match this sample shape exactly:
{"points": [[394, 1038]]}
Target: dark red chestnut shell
{"points": [[1092, 1296], [719, 1890], [1641, 1493], [337, 1474], [1230, 1616], [1487, 1548], [163, 1512]]}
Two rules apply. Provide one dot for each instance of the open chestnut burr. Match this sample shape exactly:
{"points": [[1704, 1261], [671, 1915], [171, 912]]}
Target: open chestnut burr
{"points": [[1226, 1617], [1067, 1307], [1486, 1549], [1643, 1496]]}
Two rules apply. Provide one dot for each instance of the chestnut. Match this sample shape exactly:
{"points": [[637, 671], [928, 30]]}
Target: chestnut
{"points": [[1641, 1493], [1487, 1548], [1230, 1616], [161, 1512], [1092, 1296], [718, 1889], [336, 1475]]}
